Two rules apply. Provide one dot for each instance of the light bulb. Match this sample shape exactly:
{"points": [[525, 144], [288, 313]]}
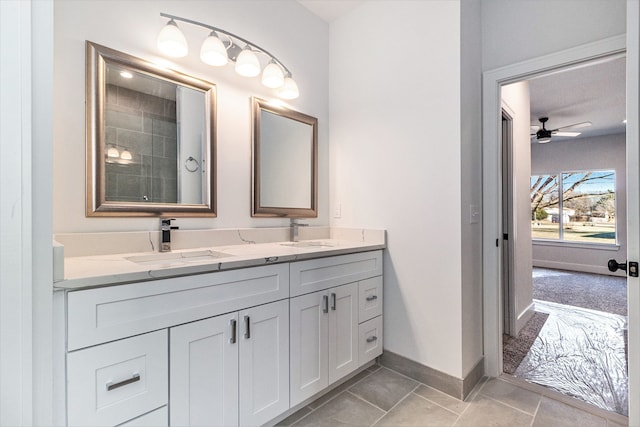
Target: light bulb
{"points": [[289, 89], [247, 63], [213, 51], [126, 74], [172, 42], [113, 152], [272, 76], [126, 155]]}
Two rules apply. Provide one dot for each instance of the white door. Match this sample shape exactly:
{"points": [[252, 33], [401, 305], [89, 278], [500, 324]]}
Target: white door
{"points": [[309, 343], [343, 331], [264, 362], [204, 373], [633, 204]]}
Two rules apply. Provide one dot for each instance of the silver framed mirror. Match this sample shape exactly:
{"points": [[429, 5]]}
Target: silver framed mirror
{"points": [[285, 162], [151, 138]]}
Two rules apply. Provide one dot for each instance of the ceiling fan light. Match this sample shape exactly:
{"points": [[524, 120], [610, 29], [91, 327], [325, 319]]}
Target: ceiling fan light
{"points": [[213, 51], [273, 76], [172, 42], [289, 89], [544, 140], [247, 64]]}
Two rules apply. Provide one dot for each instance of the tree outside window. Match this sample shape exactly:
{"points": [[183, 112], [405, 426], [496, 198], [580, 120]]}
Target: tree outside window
{"points": [[574, 207]]}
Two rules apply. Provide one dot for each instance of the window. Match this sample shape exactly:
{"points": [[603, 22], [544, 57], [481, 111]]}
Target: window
{"points": [[574, 207]]}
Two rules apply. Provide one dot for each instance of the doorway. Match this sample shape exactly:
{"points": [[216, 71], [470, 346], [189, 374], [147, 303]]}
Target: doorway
{"points": [[573, 181], [493, 81]]}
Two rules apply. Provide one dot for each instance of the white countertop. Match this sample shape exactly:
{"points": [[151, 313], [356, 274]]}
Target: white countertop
{"points": [[111, 269]]}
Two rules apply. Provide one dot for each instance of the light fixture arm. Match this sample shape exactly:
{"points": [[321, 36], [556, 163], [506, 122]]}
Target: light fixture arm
{"points": [[231, 36]]}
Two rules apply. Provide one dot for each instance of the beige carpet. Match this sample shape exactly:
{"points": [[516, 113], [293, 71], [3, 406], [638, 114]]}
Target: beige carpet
{"points": [[516, 348]]}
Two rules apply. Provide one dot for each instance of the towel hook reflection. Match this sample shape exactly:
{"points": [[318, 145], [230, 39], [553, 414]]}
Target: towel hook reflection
{"points": [[191, 164]]}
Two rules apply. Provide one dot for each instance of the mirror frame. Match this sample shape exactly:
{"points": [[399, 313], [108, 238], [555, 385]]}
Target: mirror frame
{"points": [[257, 210], [97, 57]]}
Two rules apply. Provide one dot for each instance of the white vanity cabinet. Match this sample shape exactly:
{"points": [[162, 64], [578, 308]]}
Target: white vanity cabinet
{"points": [[231, 369], [326, 324], [235, 348]]}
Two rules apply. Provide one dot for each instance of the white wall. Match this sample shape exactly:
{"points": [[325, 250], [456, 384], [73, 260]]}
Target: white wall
{"points": [[597, 153], [286, 29], [471, 182], [516, 97], [396, 163], [26, 66], [514, 31]]}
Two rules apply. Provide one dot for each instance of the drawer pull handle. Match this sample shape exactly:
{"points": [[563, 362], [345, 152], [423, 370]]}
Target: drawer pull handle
{"points": [[333, 301], [325, 304], [233, 322], [247, 327], [372, 338], [372, 297], [135, 378]]}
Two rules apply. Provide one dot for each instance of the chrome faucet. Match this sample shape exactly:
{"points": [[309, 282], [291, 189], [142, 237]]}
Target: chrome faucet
{"points": [[293, 229], [165, 229]]}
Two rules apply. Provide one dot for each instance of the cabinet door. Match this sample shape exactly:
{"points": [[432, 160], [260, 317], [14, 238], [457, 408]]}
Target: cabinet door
{"points": [[264, 362], [309, 342], [204, 373], [343, 331]]}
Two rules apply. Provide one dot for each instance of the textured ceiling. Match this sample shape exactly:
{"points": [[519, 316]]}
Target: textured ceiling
{"points": [[594, 93]]}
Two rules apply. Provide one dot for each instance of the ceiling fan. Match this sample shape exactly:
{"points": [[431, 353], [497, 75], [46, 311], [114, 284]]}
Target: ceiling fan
{"points": [[543, 135]]}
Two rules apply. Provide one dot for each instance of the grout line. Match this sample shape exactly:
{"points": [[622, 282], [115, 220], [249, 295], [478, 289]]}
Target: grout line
{"points": [[506, 404], [436, 403], [365, 400], [535, 413], [338, 394], [397, 403]]}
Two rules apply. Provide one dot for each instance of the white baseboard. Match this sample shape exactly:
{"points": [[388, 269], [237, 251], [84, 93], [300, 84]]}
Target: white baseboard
{"points": [[524, 317], [585, 268]]}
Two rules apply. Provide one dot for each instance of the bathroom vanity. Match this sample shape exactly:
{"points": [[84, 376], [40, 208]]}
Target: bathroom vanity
{"points": [[227, 335]]}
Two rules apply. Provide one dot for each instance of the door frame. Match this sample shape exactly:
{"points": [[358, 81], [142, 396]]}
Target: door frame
{"points": [[492, 81]]}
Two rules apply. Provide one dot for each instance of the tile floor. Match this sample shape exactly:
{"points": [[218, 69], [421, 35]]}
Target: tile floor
{"points": [[381, 397]]}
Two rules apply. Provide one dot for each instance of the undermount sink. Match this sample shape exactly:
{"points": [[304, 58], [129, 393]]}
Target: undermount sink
{"points": [[308, 244], [177, 258]]}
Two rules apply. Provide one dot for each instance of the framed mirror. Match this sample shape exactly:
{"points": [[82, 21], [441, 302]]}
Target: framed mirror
{"points": [[150, 138], [285, 162]]}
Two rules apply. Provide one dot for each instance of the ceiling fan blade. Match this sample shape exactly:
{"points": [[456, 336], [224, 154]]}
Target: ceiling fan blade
{"points": [[535, 128], [555, 133], [575, 126]]}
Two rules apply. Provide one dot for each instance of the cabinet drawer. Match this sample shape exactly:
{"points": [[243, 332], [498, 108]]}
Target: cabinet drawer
{"points": [[106, 314], [116, 382], [318, 274], [157, 418], [369, 340], [369, 298]]}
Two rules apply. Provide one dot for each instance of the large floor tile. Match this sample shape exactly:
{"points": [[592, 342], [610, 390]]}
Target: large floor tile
{"points": [[417, 411], [486, 412], [384, 388], [512, 395], [342, 387], [344, 410], [442, 399], [557, 414]]}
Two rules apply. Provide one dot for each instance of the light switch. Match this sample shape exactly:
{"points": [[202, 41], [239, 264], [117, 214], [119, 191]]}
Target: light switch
{"points": [[337, 212], [474, 214]]}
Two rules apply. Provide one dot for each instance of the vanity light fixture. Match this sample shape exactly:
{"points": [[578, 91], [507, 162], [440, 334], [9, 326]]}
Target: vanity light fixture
{"points": [[235, 49], [126, 155], [113, 152], [171, 41], [126, 74]]}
